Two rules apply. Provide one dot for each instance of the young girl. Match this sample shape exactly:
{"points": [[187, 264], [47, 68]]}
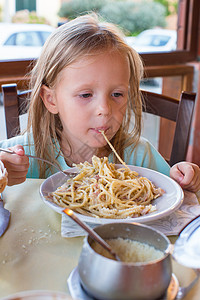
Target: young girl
{"points": [[86, 80]]}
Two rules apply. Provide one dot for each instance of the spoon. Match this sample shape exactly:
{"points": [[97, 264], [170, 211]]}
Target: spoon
{"points": [[4, 217], [42, 159], [91, 233]]}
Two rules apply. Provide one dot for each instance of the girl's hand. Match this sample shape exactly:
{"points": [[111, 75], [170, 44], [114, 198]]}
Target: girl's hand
{"points": [[187, 175], [16, 164]]}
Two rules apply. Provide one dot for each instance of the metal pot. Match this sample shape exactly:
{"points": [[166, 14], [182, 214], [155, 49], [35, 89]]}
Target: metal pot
{"points": [[107, 279]]}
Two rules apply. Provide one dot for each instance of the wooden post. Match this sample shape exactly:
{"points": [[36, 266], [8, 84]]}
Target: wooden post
{"points": [[193, 154]]}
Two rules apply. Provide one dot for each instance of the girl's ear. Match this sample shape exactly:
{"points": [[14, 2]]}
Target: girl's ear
{"points": [[48, 99]]}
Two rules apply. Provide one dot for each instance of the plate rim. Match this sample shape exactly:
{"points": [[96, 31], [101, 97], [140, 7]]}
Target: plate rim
{"points": [[41, 293], [142, 219]]}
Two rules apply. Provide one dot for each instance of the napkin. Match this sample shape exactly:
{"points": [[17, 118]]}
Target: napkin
{"points": [[176, 221], [170, 225]]}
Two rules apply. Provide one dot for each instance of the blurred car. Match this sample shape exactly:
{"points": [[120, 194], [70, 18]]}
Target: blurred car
{"points": [[130, 40], [22, 41], [154, 40]]}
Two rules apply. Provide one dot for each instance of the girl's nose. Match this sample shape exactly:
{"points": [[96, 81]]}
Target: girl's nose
{"points": [[104, 107]]}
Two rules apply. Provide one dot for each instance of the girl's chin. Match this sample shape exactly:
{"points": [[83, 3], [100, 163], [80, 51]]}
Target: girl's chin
{"points": [[97, 145]]}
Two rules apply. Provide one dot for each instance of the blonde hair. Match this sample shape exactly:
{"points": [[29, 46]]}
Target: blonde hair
{"points": [[85, 35]]}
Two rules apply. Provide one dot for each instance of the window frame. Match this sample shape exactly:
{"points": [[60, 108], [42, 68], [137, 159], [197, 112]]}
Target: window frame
{"points": [[188, 31]]}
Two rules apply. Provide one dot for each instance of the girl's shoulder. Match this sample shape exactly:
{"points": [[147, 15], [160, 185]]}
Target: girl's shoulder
{"points": [[144, 154], [140, 149]]}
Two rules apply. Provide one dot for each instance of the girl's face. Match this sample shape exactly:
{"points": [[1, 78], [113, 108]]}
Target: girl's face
{"points": [[91, 95]]}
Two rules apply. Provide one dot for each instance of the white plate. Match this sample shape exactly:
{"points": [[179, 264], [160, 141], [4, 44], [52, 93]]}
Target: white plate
{"points": [[166, 204], [38, 295]]}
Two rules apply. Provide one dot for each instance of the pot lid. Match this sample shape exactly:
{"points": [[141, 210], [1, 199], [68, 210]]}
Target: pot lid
{"points": [[187, 247]]}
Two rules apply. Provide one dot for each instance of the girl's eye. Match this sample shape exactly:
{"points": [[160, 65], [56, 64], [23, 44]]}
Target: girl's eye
{"points": [[117, 95], [86, 95]]}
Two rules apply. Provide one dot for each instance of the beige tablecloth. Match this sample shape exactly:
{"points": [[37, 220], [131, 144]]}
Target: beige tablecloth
{"points": [[34, 255]]}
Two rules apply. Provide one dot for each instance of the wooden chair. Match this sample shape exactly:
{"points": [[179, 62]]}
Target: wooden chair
{"points": [[15, 105], [177, 110]]}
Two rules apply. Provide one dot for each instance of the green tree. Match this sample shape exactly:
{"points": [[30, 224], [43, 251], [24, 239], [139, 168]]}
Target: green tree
{"points": [[73, 8], [170, 6], [132, 17]]}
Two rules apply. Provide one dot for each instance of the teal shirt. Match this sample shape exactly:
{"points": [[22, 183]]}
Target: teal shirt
{"points": [[144, 155]]}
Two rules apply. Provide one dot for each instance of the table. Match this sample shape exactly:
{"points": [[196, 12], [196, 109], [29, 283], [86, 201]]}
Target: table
{"points": [[34, 255]]}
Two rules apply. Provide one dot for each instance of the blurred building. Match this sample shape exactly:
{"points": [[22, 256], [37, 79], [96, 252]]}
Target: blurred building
{"points": [[45, 8]]}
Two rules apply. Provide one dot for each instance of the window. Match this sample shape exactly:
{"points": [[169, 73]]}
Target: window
{"points": [[187, 44], [44, 35], [24, 39], [154, 40], [25, 4]]}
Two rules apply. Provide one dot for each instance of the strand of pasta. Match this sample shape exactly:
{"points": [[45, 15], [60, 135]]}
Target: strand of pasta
{"points": [[113, 149]]}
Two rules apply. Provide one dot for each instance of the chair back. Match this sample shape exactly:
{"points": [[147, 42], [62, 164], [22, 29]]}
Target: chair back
{"points": [[178, 110], [15, 104]]}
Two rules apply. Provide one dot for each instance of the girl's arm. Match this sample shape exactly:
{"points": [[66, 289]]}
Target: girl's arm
{"points": [[187, 175], [16, 164]]}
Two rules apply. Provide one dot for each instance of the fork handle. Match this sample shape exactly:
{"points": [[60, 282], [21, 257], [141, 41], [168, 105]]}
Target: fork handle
{"points": [[7, 151], [31, 156], [35, 157], [28, 155]]}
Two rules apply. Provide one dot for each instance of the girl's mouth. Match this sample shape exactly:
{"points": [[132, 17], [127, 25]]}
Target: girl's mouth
{"points": [[100, 129]]}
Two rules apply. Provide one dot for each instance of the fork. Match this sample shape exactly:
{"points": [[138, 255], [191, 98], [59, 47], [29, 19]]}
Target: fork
{"points": [[70, 174]]}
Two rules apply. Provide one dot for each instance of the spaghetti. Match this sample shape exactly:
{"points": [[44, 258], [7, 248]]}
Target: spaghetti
{"points": [[113, 149], [101, 190]]}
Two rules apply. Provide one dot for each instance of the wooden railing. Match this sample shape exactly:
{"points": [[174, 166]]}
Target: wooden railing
{"points": [[18, 71], [15, 72]]}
